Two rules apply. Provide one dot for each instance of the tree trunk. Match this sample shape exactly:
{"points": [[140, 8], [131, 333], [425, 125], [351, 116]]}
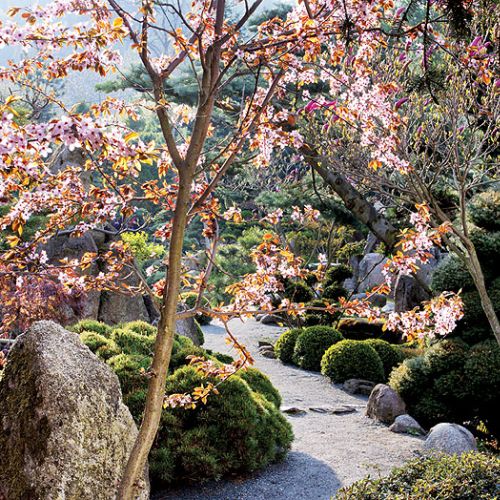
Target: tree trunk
{"points": [[163, 348], [356, 203]]}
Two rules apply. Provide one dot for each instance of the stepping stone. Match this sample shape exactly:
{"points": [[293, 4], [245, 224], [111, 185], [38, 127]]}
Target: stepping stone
{"points": [[294, 411], [337, 410]]}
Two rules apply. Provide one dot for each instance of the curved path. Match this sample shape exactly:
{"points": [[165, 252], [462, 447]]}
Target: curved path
{"points": [[329, 451]]}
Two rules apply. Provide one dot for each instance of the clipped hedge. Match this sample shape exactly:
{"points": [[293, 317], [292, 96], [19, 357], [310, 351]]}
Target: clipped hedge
{"points": [[311, 344], [352, 359], [470, 476], [285, 345]]}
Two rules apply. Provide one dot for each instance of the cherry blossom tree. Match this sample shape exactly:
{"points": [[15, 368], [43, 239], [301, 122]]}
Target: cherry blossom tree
{"points": [[335, 43]]}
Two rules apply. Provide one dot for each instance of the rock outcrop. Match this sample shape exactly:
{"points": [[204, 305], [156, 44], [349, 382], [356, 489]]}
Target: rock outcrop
{"points": [[64, 430]]}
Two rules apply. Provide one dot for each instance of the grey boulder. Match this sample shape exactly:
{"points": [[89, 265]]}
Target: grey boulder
{"points": [[405, 424], [385, 404], [64, 430], [450, 439], [358, 386]]}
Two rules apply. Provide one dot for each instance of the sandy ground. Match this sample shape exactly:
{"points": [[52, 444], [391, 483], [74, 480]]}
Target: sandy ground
{"points": [[329, 451]]}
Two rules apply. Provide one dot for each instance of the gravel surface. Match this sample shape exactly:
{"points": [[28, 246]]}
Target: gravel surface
{"points": [[329, 451]]}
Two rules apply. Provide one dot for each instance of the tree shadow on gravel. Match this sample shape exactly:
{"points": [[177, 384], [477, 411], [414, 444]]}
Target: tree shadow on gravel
{"points": [[300, 476]]}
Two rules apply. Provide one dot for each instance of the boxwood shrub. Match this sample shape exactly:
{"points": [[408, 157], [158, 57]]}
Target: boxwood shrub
{"points": [[470, 476], [352, 359], [311, 344], [390, 355], [285, 345]]}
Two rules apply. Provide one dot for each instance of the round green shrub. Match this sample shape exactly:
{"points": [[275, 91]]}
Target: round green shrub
{"points": [[260, 383], [390, 355], [484, 210], [446, 355], [236, 431], [487, 246], [285, 345], [312, 343], [190, 299], [334, 292], [451, 275], [298, 291], [482, 376], [130, 369], [336, 275], [352, 359], [91, 325], [411, 378], [470, 476]]}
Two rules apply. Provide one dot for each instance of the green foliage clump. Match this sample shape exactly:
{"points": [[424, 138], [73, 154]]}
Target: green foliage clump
{"points": [[334, 292], [237, 431], [352, 359], [260, 383], [314, 318], [190, 299], [140, 246], [484, 210], [470, 476], [298, 291], [452, 382], [141, 328], [451, 274], [311, 344], [131, 342], [91, 325], [336, 275], [285, 345], [389, 354]]}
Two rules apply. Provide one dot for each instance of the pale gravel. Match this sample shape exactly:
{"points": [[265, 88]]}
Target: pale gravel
{"points": [[329, 451]]}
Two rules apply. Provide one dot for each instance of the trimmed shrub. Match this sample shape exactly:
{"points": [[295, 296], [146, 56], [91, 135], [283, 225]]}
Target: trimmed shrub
{"points": [[298, 291], [470, 476], [285, 345], [352, 359], [190, 299], [237, 431], [336, 275], [451, 382], [91, 325], [312, 343], [199, 333], [260, 383], [390, 355]]}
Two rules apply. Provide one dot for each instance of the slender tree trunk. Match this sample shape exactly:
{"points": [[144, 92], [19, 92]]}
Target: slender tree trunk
{"points": [[162, 351]]}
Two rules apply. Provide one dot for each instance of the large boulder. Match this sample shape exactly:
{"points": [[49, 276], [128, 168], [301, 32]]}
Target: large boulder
{"points": [[450, 439], [385, 404], [64, 430], [370, 271], [189, 328]]}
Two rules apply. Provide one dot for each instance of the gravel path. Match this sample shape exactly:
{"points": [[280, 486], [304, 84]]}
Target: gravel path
{"points": [[329, 451]]}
